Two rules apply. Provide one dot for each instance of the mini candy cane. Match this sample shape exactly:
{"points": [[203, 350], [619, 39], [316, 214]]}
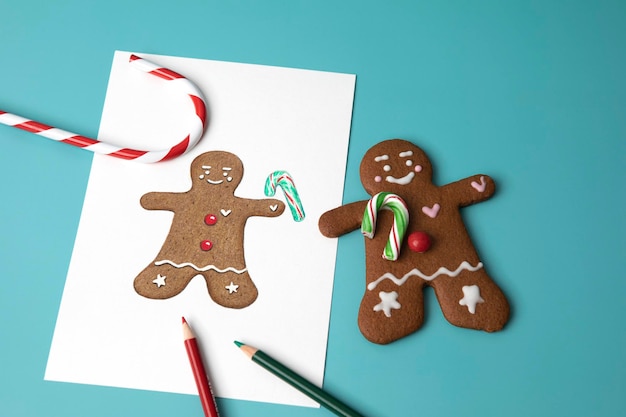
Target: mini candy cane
{"points": [[400, 211], [284, 180], [97, 146]]}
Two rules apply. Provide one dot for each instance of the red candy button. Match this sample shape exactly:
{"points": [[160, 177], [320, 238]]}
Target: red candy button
{"points": [[210, 219], [206, 245], [419, 242]]}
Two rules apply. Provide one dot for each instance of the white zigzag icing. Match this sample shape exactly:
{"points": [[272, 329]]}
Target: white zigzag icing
{"points": [[204, 269], [416, 272]]}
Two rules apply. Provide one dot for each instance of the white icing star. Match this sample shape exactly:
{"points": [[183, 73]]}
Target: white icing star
{"points": [[471, 297], [159, 281], [231, 288], [388, 300]]}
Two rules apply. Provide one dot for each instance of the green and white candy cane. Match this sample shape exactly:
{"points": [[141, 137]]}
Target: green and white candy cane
{"points": [[284, 181], [396, 204]]}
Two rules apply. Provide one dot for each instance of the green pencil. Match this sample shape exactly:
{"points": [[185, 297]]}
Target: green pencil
{"points": [[322, 397]]}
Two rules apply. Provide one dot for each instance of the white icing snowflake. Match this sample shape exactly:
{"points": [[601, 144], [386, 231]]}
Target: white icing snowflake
{"points": [[388, 301], [159, 281], [232, 287], [471, 297]]}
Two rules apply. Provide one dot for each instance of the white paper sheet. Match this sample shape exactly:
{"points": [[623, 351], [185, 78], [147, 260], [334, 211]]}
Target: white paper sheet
{"points": [[272, 118]]}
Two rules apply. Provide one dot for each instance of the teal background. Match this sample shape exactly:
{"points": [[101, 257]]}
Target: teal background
{"points": [[531, 92]]}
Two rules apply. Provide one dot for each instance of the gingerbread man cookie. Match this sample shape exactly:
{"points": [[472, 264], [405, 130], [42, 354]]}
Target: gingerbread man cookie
{"points": [[437, 251], [207, 234]]}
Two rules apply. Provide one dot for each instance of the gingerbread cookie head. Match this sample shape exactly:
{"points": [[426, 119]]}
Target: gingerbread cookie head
{"points": [[393, 166], [217, 170]]}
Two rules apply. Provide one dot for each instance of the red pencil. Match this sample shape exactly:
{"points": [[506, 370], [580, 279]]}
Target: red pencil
{"points": [[199, 373]]}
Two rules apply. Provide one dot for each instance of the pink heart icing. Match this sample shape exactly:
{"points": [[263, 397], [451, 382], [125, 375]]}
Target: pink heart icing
{"points": [[431, 211], [479, 187]]}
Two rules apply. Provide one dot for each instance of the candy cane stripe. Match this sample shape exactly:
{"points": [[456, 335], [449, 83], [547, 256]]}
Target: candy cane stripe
{"points": [[128, 153], [33, 127], [177, 150], [199, 107], [394, 234], [166, 74], [11, 119], [79, 141], [197, 126]]}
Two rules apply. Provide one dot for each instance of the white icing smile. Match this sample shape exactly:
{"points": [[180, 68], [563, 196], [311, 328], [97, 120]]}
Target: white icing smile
{"points": [[214, 182], [402, 181]]}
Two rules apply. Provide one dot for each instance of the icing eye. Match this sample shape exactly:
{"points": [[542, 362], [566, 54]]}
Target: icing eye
{"points": [[418, 168], [387, 168], [229, 179], [409, 162], [201, 177], [225, 174], [207, 172], [378, 178]]}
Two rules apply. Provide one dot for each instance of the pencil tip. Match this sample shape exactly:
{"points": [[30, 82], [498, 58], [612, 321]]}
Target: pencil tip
{"points": [[239, 344], [184, 321]]}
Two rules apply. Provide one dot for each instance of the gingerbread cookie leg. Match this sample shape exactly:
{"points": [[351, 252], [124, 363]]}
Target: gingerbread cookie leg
{"points": [[161, 281], [472, 300], [232, 288], [389, 312]]}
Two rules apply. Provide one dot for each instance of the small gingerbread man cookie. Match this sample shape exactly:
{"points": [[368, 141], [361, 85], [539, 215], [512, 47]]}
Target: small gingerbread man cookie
{"points": [[207, 234], [415, 237]]}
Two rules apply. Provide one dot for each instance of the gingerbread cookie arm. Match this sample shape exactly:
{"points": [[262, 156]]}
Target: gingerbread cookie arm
{"points": [[342, 220], [470, 190], [160, 201], [267, 207]]}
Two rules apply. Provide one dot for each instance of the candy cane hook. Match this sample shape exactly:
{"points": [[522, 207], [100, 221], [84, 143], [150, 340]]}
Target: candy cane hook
{"points": [[96, 146], [400, 211]]}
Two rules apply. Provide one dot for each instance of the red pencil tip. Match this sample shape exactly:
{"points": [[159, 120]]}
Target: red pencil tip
{"points": [[184, 321]]}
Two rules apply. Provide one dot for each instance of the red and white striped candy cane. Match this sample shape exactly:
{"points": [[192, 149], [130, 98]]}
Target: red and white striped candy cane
{"points": [[195, 132]]}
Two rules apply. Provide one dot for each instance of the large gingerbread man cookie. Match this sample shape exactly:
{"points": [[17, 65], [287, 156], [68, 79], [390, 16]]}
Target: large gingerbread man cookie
{"points": [[415, 237], [207, 234]]}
